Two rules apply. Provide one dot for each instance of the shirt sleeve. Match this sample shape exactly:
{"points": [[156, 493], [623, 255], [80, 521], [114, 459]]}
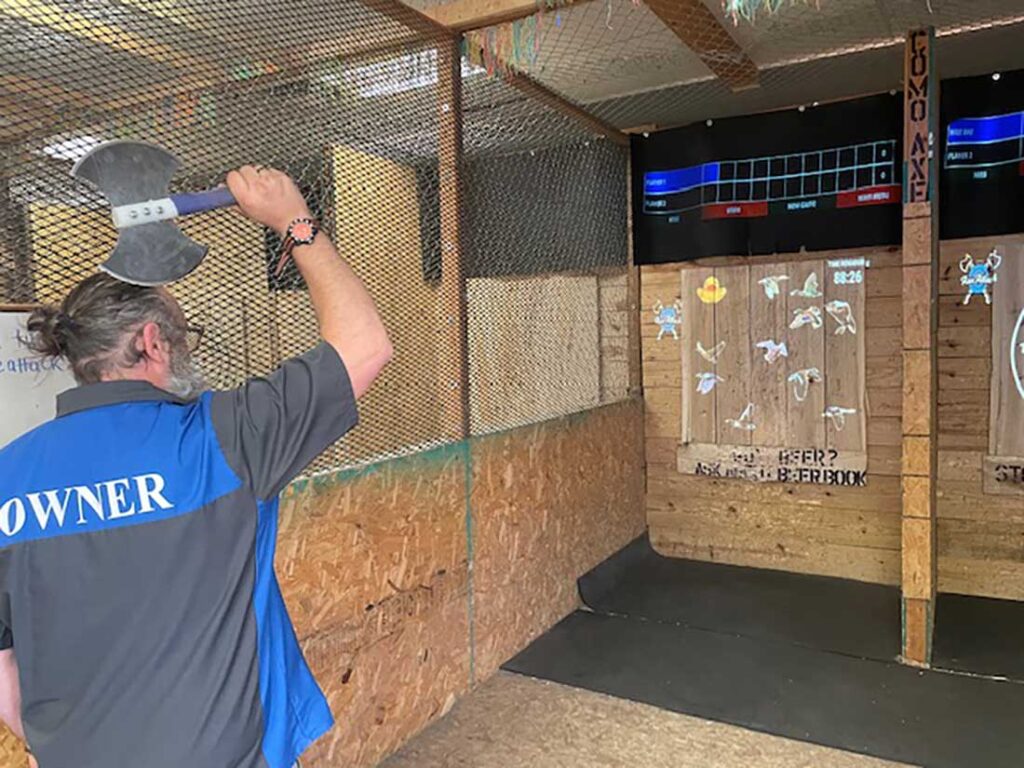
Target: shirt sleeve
{"points": [[272, 427], [6, 631]]}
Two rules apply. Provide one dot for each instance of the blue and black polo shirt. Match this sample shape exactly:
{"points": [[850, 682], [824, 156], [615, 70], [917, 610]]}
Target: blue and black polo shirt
{"points": [[137, 584]]}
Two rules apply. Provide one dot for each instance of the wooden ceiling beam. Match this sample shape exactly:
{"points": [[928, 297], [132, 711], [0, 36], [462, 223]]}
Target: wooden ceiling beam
{"points": [[703, 33], [465, 15], [538, 92], [205, 76]]}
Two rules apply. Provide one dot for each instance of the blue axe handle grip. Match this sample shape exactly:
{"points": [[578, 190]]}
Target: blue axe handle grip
{"points": [[197, 202]]}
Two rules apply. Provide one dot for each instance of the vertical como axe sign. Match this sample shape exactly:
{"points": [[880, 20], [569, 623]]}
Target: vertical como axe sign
{"points": [[920, 133]]}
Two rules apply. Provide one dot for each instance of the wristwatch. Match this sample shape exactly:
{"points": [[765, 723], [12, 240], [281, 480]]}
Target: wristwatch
{"points": [[301, 231]]}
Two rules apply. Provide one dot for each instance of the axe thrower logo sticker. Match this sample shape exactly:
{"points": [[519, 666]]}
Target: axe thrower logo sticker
{"points": [[979, 275], [668, 319]]}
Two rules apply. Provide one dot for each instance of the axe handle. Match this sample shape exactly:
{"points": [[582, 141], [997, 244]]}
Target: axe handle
{"points": [[197, 202], [182, 204]]}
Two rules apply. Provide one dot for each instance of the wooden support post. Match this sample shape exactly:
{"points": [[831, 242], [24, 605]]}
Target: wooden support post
{"points": [[454, 348], [920, 369], [633, 295]]}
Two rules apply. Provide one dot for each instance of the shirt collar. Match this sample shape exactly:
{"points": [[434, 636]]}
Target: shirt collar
{"points": [[110, 393]]}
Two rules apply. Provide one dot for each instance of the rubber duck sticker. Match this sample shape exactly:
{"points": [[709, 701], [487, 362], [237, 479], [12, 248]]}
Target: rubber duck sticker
{"points": [[837, 414], [979, 275], [668, 319], [772, 350], [713, 354], [771, 285], [745, 421], [842, 313], [810, 316], [712, 291], [706, 382], [810, 289], [802, 380]]}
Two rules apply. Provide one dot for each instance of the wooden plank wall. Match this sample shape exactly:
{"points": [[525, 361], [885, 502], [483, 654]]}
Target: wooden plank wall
{"points": [[534, 350], [847, 532], [980, 536]]}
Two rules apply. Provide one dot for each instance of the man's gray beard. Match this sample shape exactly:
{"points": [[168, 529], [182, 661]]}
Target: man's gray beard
{"points": [[186, 381]]}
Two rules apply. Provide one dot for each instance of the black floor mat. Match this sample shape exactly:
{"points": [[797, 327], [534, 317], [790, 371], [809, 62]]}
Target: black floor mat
{"points": [[864, 705], [834, 614], [981, 635]]}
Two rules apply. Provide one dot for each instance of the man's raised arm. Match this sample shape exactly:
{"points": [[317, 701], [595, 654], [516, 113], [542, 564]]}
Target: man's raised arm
{"points": [[348, 319]]}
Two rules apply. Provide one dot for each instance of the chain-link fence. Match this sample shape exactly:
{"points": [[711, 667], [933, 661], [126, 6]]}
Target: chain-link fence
{"points": [[343, 95]]}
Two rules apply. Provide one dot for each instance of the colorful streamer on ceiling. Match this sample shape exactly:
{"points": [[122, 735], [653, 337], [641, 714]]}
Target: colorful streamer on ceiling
{"points": [[748, 9], [504, 48]]}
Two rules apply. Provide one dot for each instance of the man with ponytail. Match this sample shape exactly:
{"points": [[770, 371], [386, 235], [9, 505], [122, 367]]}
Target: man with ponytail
{"points": [[140, 621]]}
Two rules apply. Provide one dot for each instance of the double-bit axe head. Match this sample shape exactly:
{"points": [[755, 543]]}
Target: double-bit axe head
{"points": [[134, 177]]}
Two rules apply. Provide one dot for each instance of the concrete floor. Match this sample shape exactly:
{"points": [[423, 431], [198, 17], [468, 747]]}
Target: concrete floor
{"points": [[519, 722]]}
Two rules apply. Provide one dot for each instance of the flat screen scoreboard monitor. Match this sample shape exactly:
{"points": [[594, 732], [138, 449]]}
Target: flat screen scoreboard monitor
{"points": [[825, 178], [982, 178]]}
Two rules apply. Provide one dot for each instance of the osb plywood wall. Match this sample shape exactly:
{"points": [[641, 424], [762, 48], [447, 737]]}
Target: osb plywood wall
{"points": [[373, 565], [846, 532], [549, 502], [981, 536]]}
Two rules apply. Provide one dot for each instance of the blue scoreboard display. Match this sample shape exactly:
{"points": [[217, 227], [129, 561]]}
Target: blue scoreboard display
{"points": [[820, 178], [982, 179]]}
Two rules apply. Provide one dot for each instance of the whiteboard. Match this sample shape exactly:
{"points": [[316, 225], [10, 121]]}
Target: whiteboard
{"points": [[29, 385]]}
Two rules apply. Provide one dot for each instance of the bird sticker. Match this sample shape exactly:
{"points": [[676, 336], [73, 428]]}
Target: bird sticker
{"points": [[837, 414], [771, 285], [668, 319], [745, 421], [706, 382], [714, 353], [802, 380], [810, 316], [772, 350], [842, 313], [712, 291], [810, 289]]}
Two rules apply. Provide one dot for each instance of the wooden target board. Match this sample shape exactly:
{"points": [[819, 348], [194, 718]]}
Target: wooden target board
{"points": [[773, 361], [1004, 464]]}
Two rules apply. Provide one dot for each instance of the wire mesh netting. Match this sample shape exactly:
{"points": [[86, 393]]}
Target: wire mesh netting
{"points": [[666, 63], [345, 96]]}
